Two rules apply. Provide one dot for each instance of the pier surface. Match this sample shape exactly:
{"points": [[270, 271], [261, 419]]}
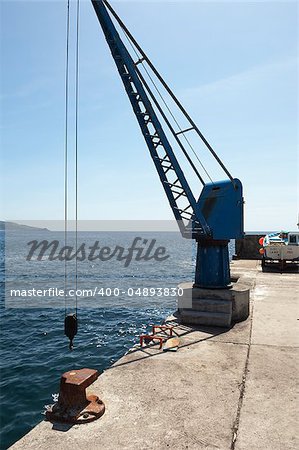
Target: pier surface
{"points": [[223, 389]]}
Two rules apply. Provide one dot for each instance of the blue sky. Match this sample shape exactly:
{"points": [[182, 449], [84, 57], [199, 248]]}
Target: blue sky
{"points": [[232, 64]]}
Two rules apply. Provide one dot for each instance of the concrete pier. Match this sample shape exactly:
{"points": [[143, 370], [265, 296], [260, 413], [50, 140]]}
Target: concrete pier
{"points": [[227, 389]]}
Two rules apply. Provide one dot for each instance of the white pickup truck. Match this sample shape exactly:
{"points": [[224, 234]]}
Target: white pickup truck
{"points": [[281, 247]]}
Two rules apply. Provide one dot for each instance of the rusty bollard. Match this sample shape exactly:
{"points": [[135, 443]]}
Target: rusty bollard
{"points": [[73, 405]]}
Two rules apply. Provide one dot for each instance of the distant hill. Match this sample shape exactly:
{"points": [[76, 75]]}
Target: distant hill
{"points": [[17, 226]]}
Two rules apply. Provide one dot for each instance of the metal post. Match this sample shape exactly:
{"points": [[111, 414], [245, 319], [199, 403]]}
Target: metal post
{"points": [[212, 264]]}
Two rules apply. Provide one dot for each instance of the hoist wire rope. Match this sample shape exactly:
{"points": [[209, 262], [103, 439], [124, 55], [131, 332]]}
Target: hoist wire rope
{"points": [[167, 88], [76, 147], [164, 115], [172, 115], [66, 150], [169, 125], [177, 123]]}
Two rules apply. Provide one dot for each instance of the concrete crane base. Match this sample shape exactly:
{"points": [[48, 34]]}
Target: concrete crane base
{"points": [[214, 307]]}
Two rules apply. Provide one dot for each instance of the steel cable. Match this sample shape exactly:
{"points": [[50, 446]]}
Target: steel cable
{"points": [[76, 145], [66, 149]]}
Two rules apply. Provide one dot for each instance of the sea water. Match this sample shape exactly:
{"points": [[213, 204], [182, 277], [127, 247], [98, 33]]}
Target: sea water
{"points": [[34, 350]]}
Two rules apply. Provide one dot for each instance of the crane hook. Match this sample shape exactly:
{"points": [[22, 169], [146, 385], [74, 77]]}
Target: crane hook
{"points": [[71, 328]]}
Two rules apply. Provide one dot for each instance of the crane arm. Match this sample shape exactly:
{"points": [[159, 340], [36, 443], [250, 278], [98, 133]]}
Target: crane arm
{"points": [[171, 175]]}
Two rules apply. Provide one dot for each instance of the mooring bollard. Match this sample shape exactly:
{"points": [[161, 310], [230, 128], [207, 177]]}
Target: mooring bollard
{"points": [[73, 406]]}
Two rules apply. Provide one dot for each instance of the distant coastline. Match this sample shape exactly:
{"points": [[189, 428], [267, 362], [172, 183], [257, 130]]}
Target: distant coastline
{"points": [[17, 226]]}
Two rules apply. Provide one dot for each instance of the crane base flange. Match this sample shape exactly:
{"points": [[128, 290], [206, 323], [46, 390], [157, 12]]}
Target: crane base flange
{"points": [[82, 414], [229, 286]]}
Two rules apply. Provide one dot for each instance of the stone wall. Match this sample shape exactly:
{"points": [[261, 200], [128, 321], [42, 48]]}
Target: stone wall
{"points": [[248, 248]]}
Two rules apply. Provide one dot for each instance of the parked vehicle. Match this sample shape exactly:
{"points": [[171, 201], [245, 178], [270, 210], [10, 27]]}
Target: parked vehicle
{"points": [[281, 247]]}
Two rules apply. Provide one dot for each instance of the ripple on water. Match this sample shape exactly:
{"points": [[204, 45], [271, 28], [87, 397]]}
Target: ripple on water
{"points": [[34, 350], [35, 354]]}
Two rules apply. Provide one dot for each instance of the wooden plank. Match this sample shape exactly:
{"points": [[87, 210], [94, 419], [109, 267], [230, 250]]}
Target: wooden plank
{"points": [[171, 344]]}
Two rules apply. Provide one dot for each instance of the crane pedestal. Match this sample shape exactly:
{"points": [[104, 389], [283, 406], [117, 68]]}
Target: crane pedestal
{"points": [[214, 307], [212, 264], [214, 299]]}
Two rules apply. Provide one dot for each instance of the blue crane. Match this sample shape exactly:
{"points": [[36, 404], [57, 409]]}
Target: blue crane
{"points": [[217, 215]]}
